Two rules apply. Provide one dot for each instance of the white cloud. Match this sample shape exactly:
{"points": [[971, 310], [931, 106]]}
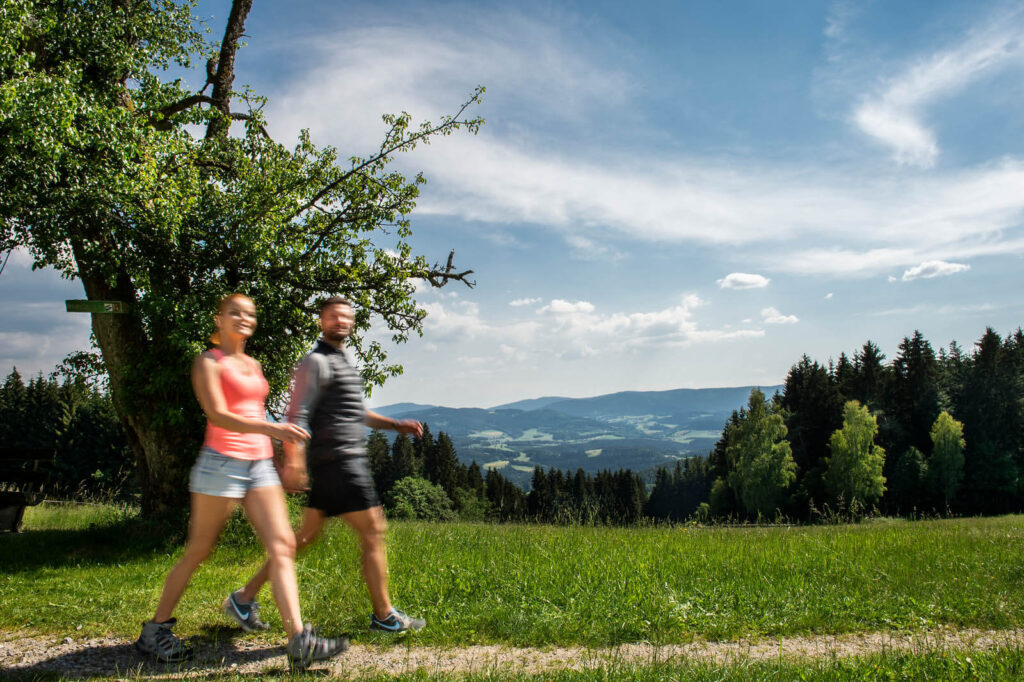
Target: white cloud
{"points": [[560, 307], [587, 249], [455, 319], [856, 221], [932, 268], [576, 329], [743, 280], [837, 18], [773, 316], [893, 116], [519, 302], [940, 310]]}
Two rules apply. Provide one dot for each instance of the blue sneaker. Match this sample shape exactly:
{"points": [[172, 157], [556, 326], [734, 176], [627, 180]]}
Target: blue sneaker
{"points": [[246, 615], [396, 621]]}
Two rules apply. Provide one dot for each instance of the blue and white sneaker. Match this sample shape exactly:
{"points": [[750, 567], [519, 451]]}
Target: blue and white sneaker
{"points": [[396, 621], [246, 615]]}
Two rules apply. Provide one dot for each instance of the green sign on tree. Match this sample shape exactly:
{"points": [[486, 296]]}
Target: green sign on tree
{"points": [[83, 306]]}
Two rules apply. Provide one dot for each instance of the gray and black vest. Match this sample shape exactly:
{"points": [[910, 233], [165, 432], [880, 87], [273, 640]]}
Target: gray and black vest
{"points": [[336, 421]]}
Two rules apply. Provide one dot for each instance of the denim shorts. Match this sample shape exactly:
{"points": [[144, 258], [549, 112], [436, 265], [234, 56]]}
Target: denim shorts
{"points": [[223, 476]]}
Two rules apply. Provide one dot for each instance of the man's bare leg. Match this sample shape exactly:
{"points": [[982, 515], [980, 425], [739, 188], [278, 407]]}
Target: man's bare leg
{"points": [[370, 526], [313, 521]]}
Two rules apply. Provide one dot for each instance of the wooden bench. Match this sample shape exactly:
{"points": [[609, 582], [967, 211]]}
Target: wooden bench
{"points": [[25, 475]]}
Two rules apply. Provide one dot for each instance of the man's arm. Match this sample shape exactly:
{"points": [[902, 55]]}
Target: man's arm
{"points": [[378, 421], [305, 394]]}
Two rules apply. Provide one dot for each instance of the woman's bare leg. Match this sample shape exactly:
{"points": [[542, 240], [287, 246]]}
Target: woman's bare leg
{"points": [[268, 514], [209, 514]]}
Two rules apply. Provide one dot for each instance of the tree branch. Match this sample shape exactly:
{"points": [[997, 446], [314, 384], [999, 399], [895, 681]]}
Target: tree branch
{"points": [[224, 76], [412, 140], [438, 277]]}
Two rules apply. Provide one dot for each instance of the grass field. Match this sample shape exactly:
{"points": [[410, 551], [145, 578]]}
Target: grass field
{"points": [[96, 570], [101, 568]]}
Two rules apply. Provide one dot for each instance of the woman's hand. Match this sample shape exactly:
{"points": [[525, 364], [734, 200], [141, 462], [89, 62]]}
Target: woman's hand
{"points": [[287, 433]]}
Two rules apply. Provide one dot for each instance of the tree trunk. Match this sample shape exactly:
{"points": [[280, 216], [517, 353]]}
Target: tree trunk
{"points": [[164, 450]]}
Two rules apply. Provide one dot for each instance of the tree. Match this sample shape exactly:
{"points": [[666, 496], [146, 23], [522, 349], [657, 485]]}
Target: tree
{"points": [[946, 466], [446, 463], [404, 462], [763, 462], [870, 376], [914, 391], [854, 467], [418, 498], [380, 462], [508, 501], [77, 423], [814, 410], [102, 177], [679, 492], [906, 482], [987, 401]]}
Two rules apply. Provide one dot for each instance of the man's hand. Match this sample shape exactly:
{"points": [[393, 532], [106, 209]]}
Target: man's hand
{"points": [[294, 478], [409, 426]]}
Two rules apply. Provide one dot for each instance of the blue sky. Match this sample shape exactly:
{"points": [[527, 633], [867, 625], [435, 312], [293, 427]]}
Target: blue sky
{"points": [[665, 194]]}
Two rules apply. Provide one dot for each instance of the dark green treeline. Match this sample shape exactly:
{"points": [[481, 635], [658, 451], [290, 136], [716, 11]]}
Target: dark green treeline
{"points": [[77, 423], [423, 478], [930, 432]]}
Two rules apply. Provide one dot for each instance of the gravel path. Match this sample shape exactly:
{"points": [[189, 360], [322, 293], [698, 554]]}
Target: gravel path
{"points": [[229, 652]]}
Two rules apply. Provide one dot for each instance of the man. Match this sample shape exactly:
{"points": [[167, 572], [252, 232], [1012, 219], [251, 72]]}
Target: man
{"points": [[327, 401]]}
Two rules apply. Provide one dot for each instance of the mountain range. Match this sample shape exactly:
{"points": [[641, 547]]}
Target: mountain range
{"points": [[636, 430]]}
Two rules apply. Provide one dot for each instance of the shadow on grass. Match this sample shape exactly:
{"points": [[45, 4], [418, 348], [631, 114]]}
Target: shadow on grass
{"points": [[218, 654], [99, 545]]}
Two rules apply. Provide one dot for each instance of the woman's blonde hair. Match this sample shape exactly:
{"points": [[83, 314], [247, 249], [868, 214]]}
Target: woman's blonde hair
{"points": [[215, 336]]}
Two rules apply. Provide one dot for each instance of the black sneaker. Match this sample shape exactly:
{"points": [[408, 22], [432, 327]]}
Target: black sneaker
{"points": [[307, 646], [396, 621], [246, 615], [158, 640]]}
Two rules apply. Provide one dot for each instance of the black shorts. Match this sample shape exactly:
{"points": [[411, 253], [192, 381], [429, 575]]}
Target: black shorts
{"points": [[341, 485]]}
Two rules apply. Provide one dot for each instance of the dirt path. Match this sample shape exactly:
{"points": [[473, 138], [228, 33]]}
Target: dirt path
{"points": [[117, 658]]}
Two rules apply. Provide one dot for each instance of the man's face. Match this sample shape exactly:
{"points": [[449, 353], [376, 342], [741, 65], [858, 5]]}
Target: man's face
{"points": [[336, 322]]}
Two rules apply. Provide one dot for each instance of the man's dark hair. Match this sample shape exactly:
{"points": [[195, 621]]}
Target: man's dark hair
{"points": [[335, 300]]}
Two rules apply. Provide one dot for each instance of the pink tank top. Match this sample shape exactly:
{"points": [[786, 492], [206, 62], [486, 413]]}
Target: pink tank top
{"points": [[245, 396]]}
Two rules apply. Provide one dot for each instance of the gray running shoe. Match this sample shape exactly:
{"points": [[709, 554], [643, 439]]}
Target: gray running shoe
{"points": [[246, 615], [396, 621], [307, 646], [158, 640]]}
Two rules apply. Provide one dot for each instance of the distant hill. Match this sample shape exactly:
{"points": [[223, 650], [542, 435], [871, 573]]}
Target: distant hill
{"points": [[400, 408], [531, 404], [638, 430]]}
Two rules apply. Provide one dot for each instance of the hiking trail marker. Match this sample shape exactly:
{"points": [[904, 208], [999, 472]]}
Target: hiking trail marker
{"points": [[83, 306]]}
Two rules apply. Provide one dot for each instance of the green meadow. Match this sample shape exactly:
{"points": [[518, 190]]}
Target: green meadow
{"points": [[98, 570]]}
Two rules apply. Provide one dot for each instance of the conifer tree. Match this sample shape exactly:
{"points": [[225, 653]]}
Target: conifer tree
{"points": [[380, 461], [403, 459], [906, 482], [446, 464]]}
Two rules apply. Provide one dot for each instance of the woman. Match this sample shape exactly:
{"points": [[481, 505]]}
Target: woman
{"points": [[235, 463]]}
